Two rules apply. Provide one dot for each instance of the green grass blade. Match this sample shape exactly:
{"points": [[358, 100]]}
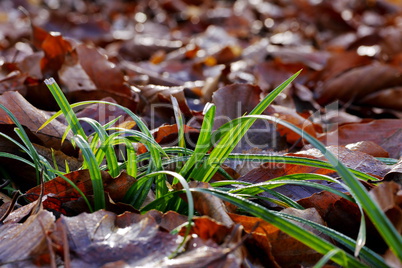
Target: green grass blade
{"points": [[327, 257], [357, 190], [61, 175], [179, 122], [318, 244], [65, 107], [94, 171], [105, 149], [16, 157], [296, 161], [366, 254], [203, 142], [229, 141]]}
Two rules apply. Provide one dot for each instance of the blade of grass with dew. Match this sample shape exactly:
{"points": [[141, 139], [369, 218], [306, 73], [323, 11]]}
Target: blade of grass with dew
{"points": [[259, 187], [311, 240], [18, 158], [357, 190], [230, 140], [203, 142], [94, 171]]}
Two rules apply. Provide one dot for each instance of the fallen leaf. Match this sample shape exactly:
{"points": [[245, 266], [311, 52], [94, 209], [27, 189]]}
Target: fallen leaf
{"points": [[384, 130], [338, 213], [20, 242], [60, 191], [387, 98], [395, 174], [368, 147], [361, 81], [286, 250], [209, 205], [388, 196], [33, 118], [352, 159], [95, 240]]}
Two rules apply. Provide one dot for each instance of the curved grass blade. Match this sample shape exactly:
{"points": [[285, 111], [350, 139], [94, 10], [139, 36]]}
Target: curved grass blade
{"points": [[232, 137], [318, 244], [357, 190], [327, 257], [94, 171], [295, 161]]}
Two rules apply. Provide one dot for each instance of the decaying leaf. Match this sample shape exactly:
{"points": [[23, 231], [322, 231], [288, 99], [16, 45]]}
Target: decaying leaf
{"points": [[21, 242]]}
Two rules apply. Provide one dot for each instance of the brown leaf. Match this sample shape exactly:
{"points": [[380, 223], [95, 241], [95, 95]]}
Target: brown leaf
{"points": [[388, 196], [352, 159], [20, 242], [388, 98], [59, 191], [33, 118], [208, 229], [286, 250], [384, 130], [395, 174], [368, 147], [358, 83], [291, 116], [210, 205], [339, 213], [96, 239], [105, 75]]}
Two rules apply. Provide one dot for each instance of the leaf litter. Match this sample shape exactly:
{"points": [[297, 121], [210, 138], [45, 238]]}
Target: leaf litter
{"points": [[139, 54]]}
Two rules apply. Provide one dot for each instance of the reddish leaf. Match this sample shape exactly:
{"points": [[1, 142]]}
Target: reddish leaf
{"points": [[388, 196], [59, 191], [286, 250], [102, 72], [339, 213], [291, 116], [387, 98]]}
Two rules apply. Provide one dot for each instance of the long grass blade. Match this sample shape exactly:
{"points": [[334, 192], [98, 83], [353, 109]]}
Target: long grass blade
{"points": [[203, 142], [94, 171], [229, 141], [357, 190], [65, 107], [317, 243]]}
